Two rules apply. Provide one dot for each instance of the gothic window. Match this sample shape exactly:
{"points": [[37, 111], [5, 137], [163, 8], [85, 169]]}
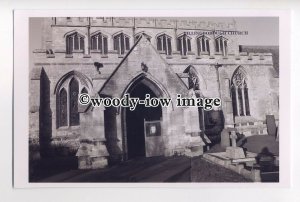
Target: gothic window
{"points": [[164, 44], [121, 43], [67, 91], [202, 45], [74, 90], [74, 42], [221, 45], [62, 108], [239, 94], [99, 43], [184, 44]]}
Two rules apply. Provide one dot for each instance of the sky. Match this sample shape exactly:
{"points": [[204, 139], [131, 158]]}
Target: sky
{"points": [[263, 31]]}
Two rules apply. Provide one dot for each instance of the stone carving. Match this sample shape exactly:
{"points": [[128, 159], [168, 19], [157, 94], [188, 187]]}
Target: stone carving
{"points": [[144, 67]]}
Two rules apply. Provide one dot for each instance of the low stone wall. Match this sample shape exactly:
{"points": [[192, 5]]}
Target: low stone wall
{"points": [[253, 175]]}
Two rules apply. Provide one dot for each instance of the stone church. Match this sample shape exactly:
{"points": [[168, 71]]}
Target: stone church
{"points": [[163, 57]]}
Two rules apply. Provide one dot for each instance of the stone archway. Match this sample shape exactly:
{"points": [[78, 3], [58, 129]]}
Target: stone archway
{"points": [[134, 123]]}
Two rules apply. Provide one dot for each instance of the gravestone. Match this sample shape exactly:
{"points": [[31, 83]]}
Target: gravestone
{"points": [[234, 152], [271, 125], [233, 138], [225, 140]]}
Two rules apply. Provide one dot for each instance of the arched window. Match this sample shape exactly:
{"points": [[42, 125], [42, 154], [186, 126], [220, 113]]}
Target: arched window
{"points": [[221, 45], [121, 43], [164, 44], [67, 101], [203, 45], [74, 42], [62, 108], [184, 44], [74, 90], [99, 43], [239, 94]]}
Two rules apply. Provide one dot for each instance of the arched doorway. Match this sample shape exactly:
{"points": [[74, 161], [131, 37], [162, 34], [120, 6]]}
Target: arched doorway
{"points": [[135, 121]]}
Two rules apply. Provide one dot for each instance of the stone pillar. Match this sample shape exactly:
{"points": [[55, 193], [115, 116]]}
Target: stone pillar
{"points": [[34, 120], [192, 128], [92, 153], [225, 141], [226, 102], [226, 108], [34, 115]]}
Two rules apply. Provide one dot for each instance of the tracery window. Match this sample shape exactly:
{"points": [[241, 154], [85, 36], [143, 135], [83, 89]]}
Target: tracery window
{"points": [[67, 102], [99, 43], [121, 43], [239, 94], [164, 44], [203, 45], [221, 45], [184, 44], [74, 42]]}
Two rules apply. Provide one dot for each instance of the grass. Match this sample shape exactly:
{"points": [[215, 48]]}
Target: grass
{"points": [[203, 171]]}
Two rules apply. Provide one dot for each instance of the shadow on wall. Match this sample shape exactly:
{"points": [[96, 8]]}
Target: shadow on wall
{"points": [[269, 171], [112, 141], [214, 124]]}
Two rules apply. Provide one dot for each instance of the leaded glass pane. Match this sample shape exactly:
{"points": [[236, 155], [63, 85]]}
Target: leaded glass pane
{"points": [[234, 104], [207, 46], [74, 115], [247, 102], [62, 108], [169, 47], [105, 45], [240, 97]]}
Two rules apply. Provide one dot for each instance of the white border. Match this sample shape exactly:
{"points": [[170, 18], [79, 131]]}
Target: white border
{"points": [[21, 81]]}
